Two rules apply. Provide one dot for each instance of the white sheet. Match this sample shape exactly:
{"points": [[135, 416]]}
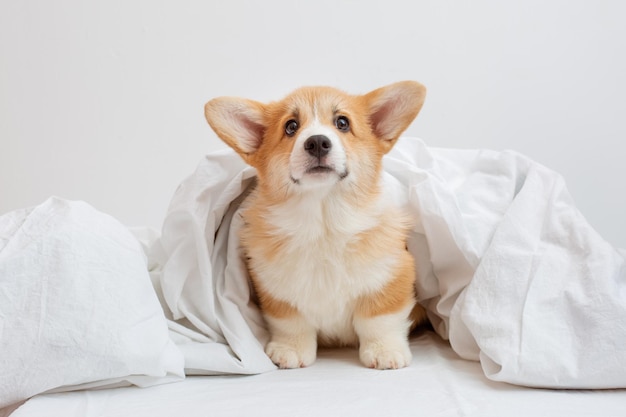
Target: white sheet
{"points": [[200, 277], [519, 279], [510, 271], [438, 383], [76, 306]]}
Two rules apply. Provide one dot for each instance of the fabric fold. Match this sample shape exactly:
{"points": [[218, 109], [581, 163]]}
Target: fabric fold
{"points": [[201, 276], [76, 306]]}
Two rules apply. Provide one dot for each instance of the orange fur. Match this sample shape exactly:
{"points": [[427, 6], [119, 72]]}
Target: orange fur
{"points": [[274, 307], [397, 293]]}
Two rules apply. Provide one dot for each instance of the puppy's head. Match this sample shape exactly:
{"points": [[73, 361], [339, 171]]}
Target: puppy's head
{"points": [[317, 137]]}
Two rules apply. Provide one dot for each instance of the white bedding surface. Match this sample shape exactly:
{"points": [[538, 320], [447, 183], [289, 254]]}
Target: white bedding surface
{"points": [[509, 271], [438, 383]]}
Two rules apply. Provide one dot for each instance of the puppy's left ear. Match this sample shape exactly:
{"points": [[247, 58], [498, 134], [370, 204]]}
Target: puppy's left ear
{"points": [[392, 109]]}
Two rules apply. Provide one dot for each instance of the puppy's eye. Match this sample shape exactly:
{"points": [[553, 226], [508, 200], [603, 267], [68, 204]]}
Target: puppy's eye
{"points": [[291, 127], [342, 123]]}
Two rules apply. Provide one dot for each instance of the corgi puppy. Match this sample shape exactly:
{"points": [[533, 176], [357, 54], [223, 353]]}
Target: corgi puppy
{"points": [[325, 246]]}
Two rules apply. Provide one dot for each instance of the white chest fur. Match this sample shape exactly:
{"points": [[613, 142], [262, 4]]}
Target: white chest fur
{"points": [[319, 267]]}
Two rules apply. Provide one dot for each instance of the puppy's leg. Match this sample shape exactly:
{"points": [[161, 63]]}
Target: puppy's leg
{"points": [[382, 320], [293, 343], [383, 339]]}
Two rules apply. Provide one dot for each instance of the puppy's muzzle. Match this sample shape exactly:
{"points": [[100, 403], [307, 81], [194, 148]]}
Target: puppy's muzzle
{"points": [[318, 146]]}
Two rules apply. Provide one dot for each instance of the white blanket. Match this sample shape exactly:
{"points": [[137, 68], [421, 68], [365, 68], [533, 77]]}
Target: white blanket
{"points": [[76, 306], [509, 270]]}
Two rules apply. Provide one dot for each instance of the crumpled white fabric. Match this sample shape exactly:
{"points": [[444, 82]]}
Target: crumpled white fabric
{"points": [[509, 270], [519, 279], [76, 306], [200, 276]]}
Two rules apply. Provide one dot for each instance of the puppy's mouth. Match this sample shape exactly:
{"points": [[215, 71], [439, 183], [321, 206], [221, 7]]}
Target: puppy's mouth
{"points": [[319, 171]]}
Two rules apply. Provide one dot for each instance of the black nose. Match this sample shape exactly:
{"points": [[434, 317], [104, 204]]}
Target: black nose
{"points": [[318, 145]]}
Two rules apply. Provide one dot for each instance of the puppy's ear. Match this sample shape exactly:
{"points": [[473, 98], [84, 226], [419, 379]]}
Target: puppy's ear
{"points": [[238, 122], [392, 109]]}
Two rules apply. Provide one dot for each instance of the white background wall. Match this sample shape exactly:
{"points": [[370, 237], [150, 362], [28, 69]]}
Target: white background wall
{"points": [[103, 101]]}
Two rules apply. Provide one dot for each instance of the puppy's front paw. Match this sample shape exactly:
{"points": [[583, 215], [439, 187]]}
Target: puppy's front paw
{"points": [[289, 357], [381, 356]]}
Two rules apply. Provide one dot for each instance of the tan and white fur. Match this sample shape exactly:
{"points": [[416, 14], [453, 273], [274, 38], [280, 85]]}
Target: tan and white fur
{"points": [[325, 246]]}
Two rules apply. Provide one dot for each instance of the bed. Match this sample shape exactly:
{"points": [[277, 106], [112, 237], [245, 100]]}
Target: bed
{"points": [[527, 304]]}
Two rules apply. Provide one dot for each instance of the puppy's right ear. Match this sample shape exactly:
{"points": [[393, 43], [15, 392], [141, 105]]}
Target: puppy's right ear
{"points": [[238, 122]]}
